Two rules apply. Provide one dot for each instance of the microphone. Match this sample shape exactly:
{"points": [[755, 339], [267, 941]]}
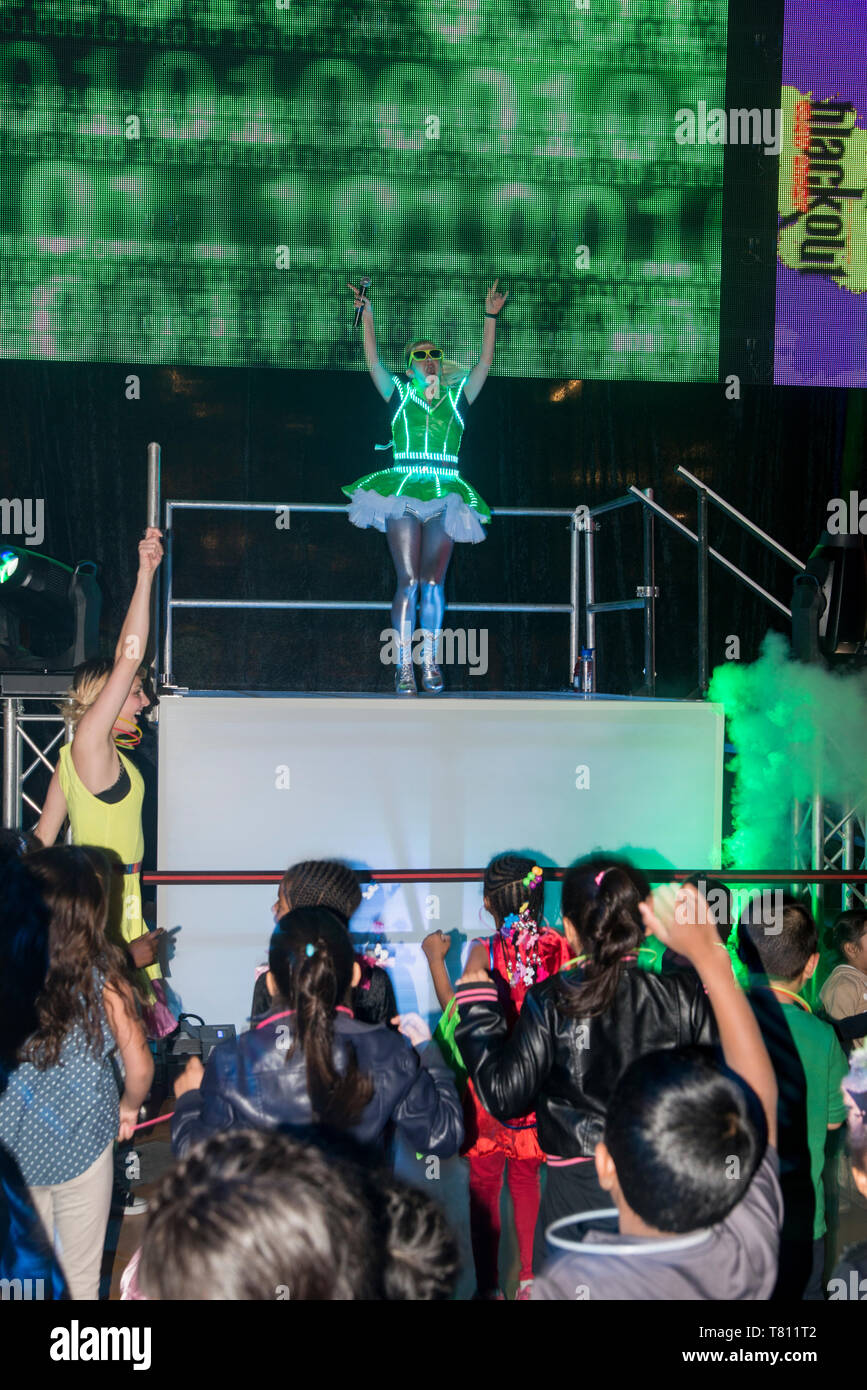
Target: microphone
{"points": [[365, 286]]}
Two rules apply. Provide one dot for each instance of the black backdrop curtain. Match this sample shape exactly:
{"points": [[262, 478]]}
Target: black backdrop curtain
{"points": [[69, 435]]}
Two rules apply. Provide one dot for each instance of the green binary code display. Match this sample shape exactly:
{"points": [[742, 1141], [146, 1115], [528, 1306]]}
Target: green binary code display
{"points": [[195, 182]]}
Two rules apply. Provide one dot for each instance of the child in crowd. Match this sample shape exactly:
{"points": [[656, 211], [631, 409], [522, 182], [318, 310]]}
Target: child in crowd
{"points": [[24, 925], [59, 1114], [781, 955], [260, 1216], [577, 1031], [844, 993], [849, 1279], [521, 952], [698, 1205], [328, 883], [25, 1250], [310, 1063], [422, 1259]]}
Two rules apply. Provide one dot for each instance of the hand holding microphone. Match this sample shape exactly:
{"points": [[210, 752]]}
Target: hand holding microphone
{"points": [[361, 300]]}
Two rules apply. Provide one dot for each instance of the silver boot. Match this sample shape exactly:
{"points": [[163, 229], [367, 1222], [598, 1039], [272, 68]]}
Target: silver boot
{"points": [[431, 675], [404, 676]]}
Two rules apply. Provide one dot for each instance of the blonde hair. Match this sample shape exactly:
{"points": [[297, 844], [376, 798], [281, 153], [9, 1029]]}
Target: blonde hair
{"points": [[452, 371], [88, 680]]}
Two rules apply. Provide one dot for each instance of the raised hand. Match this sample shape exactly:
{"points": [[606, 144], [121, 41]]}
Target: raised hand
{"points": [[436, 945], [680, 919], [361, 299], [412, 1026], [495, 299], [150, 551]]}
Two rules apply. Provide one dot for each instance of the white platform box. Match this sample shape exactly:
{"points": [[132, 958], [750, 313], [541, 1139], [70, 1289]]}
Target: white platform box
{"points": [[257, 782]]}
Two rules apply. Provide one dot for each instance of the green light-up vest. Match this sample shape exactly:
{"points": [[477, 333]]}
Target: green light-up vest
{"points": [[426, 432]]}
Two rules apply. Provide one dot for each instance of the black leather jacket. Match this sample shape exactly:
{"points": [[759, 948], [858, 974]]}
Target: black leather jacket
{"points": [[566, 1069], [250, 1082]]}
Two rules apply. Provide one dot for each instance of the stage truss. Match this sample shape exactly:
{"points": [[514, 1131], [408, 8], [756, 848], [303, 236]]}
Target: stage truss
{"points": [[33, 731]]}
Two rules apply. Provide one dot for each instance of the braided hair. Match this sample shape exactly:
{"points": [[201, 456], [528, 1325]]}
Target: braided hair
{"points": [[322, 883], [312, 960], [600, 898], [515, 897]]}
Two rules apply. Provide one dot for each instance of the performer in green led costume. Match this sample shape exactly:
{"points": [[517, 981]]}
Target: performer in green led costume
{"points": [[420, 500]]}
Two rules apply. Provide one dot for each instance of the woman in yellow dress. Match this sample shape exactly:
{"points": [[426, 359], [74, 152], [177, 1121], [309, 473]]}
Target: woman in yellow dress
{"points": [[102, 791]]}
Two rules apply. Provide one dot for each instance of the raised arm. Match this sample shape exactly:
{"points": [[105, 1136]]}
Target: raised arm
{"points": [[53, 813], [494, 302], [679, 923], [382, 379], [436, 947], [93, 752]]}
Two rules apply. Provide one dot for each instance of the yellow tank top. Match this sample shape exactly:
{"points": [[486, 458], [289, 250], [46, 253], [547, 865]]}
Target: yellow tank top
{"points": [[110, 826]]}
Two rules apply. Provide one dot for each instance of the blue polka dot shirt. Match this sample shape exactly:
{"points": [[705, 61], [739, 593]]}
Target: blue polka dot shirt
{"points": [[57, 1122]]}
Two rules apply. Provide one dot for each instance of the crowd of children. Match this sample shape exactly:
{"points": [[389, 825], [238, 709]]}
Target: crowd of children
{"points": [[664, 1132]]}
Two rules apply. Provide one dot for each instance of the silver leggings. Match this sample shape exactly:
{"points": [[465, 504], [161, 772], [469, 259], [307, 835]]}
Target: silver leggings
{"points": [[421, 552]]}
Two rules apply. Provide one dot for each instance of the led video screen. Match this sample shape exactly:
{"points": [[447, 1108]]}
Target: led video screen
{"points": [[821, 300], [195, 182]]}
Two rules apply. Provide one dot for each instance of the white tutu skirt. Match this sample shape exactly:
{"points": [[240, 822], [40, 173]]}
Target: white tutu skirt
{"points": [[461, 522]]}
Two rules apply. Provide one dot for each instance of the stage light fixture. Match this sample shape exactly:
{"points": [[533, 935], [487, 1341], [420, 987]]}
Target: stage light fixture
{"points": [[8, 565], [829, 601], [49, 613]]}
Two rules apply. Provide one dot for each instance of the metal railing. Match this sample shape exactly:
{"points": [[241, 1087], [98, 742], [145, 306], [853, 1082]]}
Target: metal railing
{"points": [[253, 877], [647, 593], [172, 603]]}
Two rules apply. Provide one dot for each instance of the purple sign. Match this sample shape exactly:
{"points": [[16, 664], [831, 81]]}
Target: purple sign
{"points": [[821, 301]]}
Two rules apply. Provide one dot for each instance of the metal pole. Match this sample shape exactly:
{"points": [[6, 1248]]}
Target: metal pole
{"points": [[817, 856], [798, 817], [742, 520], [574, 555], [344, 507], [68, 733], [365, 605], [648, 524], [714, 554], [168, 678], [703, 640], [153, 514], [589, 589], [848, 856], [153, 485], [11, 764]]}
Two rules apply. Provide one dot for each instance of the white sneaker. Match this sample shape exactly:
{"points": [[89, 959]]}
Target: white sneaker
{"points": [[129, 1204]]}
